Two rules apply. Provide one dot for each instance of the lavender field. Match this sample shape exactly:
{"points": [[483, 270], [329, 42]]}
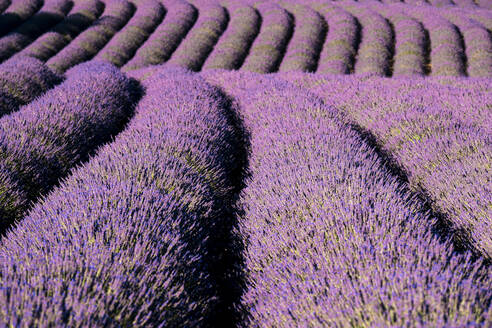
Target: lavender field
{"points": [[270, 163]]}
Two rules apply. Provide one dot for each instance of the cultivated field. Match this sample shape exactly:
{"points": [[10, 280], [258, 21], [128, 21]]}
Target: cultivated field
{"points": [[280, 163]]}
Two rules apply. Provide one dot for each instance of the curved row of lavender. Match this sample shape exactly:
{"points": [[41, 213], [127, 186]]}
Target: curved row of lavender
{"points": [[17, 13], [200, 41], [447, 53], [126, 240], [376, 48], [45, 139], [87, 44], [477, 43], [442, 143], [180, 18], [82, 15], [268, 49], [233, 46], [52, 12], [334, 239], [484, 17], [22, 80], [412, 53], [340, 46], [303, 50], [126, 42]]}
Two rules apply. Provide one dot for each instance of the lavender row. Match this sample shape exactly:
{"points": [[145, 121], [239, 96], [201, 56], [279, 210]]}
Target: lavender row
{"points": [[83, 14], [477, 42], [87, 44], [484, 4], [334, 239], [412, 55], [180, 18], [484, 17], [340, 47], [21, 81], [126, 240], [233, 46], [125, 43], [447, 53], [441, 3], [304, 48], [17, 13], [199, 43], [465, 3], [269, 47], [42, 141], [52, 12], [441, 143], [375, 53]]}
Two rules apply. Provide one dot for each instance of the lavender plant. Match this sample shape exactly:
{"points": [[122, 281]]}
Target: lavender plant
{"points": [[447, 53], [180, 18], [52, 12], [477, 43], [41, 142], [411, 55], [233, 46], [376, 49], [442, 143], [125, 43], [86, 45], [195, 48], [304, 48], [340, 47], [131, 233], [17, 13], [269, 47], [83, 14], [334, 239], [21, 81]]}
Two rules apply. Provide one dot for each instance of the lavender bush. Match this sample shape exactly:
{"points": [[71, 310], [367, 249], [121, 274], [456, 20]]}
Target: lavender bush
{"points": [[447, 53], [477, 42], [334, 239], [21, 81], [441, 143], [233, 46], [340, 47], [127, 239], [125, 43], [195, 48], [41, 142], [304, 48], [269, 47], [81, 16], [376, 47], [180, 18], [411, 45], [51, 13], [85, 46], [17, 13]]}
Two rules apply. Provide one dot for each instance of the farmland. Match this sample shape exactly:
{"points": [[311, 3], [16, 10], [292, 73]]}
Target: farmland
{"points": [[270, 163]]}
